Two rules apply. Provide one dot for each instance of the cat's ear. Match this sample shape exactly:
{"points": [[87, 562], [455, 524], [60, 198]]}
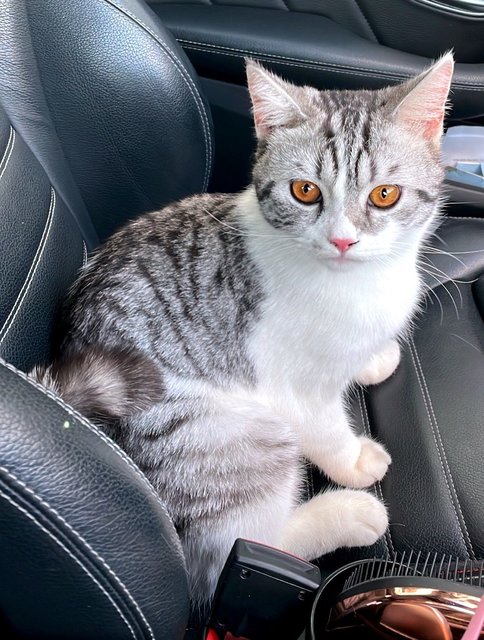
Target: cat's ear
{"points": [[423, 105], [275, 103]]}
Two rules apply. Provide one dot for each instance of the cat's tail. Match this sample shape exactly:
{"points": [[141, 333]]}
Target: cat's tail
{"points": [[104, 385]]}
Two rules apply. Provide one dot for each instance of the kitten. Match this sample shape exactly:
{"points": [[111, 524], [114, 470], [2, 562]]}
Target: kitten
{"points": [[215, 339]]}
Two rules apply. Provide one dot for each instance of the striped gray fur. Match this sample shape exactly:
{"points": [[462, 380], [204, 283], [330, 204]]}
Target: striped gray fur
{"points": [[199, 291], [179, 289]]}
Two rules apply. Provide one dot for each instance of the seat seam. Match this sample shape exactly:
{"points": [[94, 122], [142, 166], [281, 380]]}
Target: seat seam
{"points": [[71, 555], [188, 81], [266, 57], [8, 151], [440, 449], [387, 539], [309, 63], [110, 443], [4, 331], [366, 20], [84, 542], [84, 254], [273, 55], [437, 431]]}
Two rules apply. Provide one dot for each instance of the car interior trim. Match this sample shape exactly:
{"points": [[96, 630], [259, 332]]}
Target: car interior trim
{"points": [[328, 55], [463, 8]]}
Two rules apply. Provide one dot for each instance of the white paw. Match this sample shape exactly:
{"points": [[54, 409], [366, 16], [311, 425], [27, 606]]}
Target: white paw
{"points": [[381, 365], [371, 465], [364, 520], [334, 519]]}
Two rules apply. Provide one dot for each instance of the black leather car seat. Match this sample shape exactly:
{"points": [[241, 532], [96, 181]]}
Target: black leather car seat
{"points": [[100, 119]]}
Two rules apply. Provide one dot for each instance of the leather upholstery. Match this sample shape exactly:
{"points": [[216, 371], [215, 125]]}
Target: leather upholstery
{"points": [[88, 550], [423, 27], [108, 104], [305, 48], [41, 250]]}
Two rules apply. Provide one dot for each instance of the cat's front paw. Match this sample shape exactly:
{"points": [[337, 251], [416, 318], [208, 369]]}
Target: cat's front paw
{"points": [[381, 365], [370, 466]]}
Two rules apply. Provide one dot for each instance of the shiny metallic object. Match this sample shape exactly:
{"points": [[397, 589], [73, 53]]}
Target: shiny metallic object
{"points": [[420, 596], [410, 613]]}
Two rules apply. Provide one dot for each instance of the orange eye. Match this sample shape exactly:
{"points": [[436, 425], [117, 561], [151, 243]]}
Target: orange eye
{"points": [[385, 195], [305, 191]]}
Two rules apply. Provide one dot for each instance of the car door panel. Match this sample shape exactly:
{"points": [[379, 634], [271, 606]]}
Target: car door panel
{"points": [[304, 48], [421, 27]]}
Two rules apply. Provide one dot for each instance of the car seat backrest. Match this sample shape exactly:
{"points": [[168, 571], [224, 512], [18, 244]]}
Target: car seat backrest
{"points": [[108, 103], [100, 118]]}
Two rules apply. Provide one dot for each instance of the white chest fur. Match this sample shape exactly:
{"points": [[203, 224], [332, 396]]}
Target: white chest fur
{"points": [[320, 325]]}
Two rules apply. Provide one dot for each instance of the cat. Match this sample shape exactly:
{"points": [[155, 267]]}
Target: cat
{"points": [[215, 340]]}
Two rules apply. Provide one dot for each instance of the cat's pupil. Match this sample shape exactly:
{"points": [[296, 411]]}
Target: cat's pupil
{"points": [[384, 192], [307, 188]]}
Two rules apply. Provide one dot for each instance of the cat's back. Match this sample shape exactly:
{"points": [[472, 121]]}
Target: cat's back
{"points": [[178, 283]]}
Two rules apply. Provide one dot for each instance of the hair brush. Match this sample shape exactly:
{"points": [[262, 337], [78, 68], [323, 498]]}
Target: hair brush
{"points": [[415, 596]]}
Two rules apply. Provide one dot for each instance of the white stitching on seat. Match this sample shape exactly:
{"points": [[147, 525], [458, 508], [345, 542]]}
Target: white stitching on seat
{"points": [[440, 450], [83, 542], [188, 81], [31, 274], [110, 443], [263, 56], [331, 66], [84, 254], [70, 554], [377, 486], [8, 151], [278, 56]]}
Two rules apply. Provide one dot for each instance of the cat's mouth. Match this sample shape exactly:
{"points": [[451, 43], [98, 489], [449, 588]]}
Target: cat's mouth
{"points": [[341, 260], [340, 263], [347, 261], [345, 258]]}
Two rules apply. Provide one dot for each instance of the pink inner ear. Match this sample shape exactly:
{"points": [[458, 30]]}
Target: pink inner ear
{"points": [[424, 106], [259, 116], [433, 128]]}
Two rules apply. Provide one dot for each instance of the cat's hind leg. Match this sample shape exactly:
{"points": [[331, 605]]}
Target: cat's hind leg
{"points": [[343, 518]]}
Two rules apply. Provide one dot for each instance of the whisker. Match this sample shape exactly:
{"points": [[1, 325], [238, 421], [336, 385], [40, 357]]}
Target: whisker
{"points": [[446, 275], [431, 250], [451, 202], [247, 234], [430, 290], [446, 289], [443, 273], [467, 342]]}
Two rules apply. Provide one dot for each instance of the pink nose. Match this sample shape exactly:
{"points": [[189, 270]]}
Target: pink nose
{"points": [[343, 244]]}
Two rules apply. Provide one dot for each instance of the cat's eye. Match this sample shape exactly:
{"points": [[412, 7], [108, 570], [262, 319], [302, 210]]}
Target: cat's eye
{"points": [[385, 195], [305, 191]]}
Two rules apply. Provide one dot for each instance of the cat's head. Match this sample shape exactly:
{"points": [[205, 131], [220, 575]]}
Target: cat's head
{"points": [[352, 175]]}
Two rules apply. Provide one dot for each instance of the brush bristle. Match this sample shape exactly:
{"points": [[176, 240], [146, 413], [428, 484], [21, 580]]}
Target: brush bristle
{"points": [[425, 565]]}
